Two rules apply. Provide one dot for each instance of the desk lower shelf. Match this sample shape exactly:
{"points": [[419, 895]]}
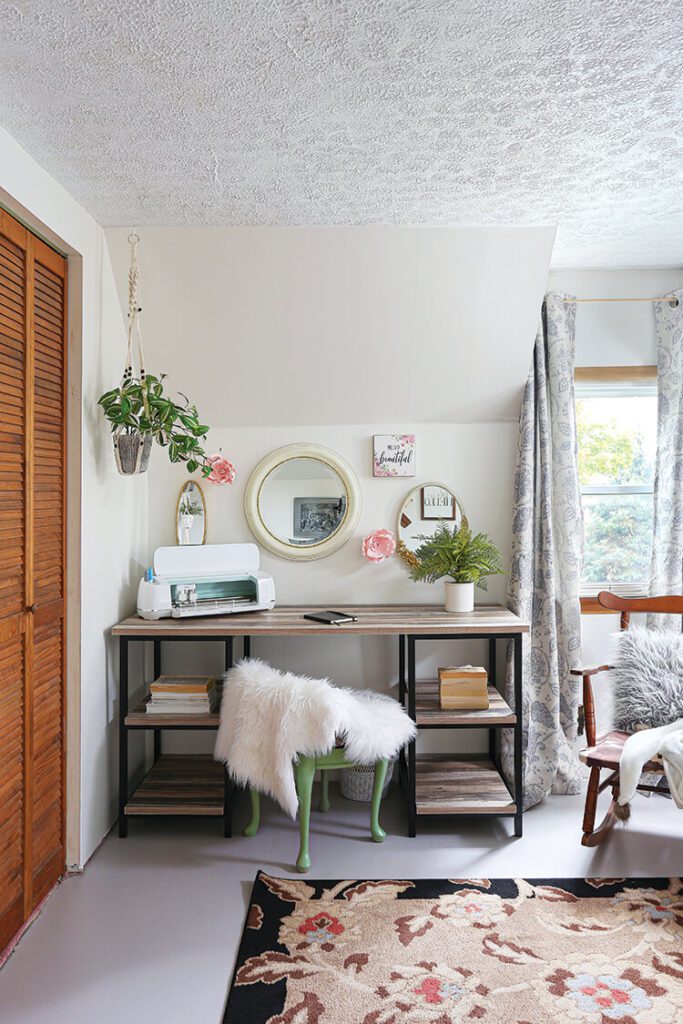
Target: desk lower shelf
{"points": [[428, 711], [180, 784], [445, 784], [141, 718]]}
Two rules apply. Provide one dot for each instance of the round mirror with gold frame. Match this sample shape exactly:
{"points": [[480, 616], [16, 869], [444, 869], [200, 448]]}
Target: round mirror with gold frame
{"points": [[423, 511], [303, 502], [190, 514]]}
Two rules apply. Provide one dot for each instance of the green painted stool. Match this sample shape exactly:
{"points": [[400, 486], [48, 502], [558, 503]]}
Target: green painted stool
{"points": [[304, 770]]}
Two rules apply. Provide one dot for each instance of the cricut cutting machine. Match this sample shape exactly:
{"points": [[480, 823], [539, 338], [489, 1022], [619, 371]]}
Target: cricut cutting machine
{"points": [[205, 579]]}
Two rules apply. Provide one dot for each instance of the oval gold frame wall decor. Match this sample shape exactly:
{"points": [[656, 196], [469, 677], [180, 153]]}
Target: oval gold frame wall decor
{"points": [[185, 489]]}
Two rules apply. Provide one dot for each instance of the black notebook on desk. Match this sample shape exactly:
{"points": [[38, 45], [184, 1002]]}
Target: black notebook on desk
{"points": [[330, 618]]}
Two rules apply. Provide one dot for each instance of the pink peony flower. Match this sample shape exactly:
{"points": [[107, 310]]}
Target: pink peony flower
{"points": [[222, 471], [379, 545]]}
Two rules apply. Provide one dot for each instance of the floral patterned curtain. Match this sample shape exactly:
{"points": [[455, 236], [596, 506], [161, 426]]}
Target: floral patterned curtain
{"points": [[666, 570], [547, 542]]}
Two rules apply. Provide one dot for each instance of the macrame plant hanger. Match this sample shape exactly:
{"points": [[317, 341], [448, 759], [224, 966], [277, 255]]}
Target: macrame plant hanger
{"points": [[134, 310]]}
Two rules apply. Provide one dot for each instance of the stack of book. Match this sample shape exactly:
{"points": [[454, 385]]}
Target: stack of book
{"points": [[183, 695], [463, 688]]}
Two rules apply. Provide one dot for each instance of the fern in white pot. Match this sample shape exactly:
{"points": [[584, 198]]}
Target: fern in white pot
{"points": [[460, 558]]}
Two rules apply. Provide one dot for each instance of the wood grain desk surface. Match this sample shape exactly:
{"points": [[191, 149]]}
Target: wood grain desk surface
{"points": [[372, 620]]}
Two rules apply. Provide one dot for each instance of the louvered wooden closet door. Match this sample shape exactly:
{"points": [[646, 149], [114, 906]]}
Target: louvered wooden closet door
{"points": [[13, 321], [32, 523], [45, 589]]}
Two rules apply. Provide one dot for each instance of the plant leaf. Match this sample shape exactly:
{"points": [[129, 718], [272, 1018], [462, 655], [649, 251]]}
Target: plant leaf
{"points": [[456, 554]]}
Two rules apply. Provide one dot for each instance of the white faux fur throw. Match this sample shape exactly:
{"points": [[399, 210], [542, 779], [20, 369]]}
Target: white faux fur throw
{"points": [[643, 746], [269, 717]]}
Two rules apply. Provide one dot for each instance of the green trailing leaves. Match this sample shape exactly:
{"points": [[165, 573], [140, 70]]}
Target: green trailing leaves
{"points": [[457, 554], [140, 406]]}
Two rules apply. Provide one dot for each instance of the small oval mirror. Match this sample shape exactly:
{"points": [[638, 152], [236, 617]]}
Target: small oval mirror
{"points": [[421, 513], [191, 514]]}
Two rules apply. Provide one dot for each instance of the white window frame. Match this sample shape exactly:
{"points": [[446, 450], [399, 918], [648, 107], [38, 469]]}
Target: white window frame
{"points": [[641, 382]]}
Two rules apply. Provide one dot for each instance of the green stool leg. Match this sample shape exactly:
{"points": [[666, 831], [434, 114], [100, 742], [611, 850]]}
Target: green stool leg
{"points": [[378, 833], [324, 791], [305, 770], [253, 826]]}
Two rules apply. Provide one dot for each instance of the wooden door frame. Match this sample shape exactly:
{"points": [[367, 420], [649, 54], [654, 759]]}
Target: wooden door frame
{"points": [[72, 592]]}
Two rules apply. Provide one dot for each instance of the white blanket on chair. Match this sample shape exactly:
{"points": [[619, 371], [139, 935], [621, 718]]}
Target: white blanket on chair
{"points": [[268, 717], [643, 746]]}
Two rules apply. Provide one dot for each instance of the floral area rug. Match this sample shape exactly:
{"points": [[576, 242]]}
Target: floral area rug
{"points": [[439, 952]]}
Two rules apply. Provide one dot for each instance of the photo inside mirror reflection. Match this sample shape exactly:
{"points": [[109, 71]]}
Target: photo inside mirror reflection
{"points": [[302, 502], [423, 510]]}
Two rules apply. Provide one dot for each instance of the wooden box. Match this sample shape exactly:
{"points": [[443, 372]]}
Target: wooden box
{"points": [[463, 687]]}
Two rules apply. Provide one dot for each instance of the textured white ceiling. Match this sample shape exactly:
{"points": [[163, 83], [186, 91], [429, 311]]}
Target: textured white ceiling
{"points": [[348, 112]]}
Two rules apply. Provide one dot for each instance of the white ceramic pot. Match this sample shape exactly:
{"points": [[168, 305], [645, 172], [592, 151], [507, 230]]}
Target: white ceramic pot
{"points": [[459, 597]]}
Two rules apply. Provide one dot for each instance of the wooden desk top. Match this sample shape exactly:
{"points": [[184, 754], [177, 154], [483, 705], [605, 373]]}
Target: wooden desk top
{"points": [[373, 620]]}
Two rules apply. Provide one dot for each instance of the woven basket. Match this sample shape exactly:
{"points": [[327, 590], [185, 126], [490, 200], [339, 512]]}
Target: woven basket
{"points": [[131, 453], [356, 783]]}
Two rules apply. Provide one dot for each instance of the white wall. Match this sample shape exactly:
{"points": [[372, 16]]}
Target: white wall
{"points": [[615, 333], [335, 325], [329, 336], [113, 509]]}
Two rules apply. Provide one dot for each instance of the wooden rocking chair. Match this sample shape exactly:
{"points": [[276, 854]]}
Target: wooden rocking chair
{"points": [[604, 752]]}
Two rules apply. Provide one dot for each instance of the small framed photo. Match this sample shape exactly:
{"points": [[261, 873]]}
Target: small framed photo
{"points": [[317, 518], [393, 455], [437, 503]]}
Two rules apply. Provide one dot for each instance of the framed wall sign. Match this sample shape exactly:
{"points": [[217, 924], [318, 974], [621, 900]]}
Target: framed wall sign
{"points": [[437, 502], [393, 455]]}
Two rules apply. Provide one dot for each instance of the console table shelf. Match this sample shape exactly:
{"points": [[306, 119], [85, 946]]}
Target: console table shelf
{"points": [[436, 785], [460, 785], [180, 784], [141, 718], [429, 714]]}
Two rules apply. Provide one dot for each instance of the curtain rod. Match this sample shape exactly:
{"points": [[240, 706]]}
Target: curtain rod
{"points": [[659, 298]]}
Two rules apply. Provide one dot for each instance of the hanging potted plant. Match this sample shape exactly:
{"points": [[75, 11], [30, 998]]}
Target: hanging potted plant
{"points": [[140, 412], [460, 558]]}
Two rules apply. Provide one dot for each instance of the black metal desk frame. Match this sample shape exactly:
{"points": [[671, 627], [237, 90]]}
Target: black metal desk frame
{"points": [[407, 763], [124, 641]]}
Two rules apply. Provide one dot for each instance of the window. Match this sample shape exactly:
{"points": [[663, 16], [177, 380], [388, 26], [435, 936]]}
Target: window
{"points": [[617, 437]]}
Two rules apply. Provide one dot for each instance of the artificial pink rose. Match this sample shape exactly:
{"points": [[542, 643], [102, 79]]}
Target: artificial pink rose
{"points": [[222, 471], [379, 545]]}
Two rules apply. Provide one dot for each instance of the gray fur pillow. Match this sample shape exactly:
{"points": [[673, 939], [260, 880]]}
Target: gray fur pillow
{"points": [[647, 678]]}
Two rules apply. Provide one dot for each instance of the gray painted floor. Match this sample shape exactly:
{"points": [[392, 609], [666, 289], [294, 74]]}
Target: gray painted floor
{"points": [[149, 932]]}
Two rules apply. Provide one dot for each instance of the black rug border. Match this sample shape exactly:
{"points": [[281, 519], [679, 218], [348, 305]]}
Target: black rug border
{"points": [[256, 1004]]}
